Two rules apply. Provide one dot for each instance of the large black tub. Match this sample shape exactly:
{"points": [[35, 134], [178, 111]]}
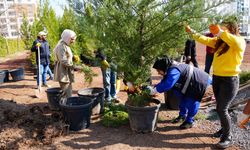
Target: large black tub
{"points": [[17, 74], [6, 78], [97, 94], [77, 112], [54, 97]]}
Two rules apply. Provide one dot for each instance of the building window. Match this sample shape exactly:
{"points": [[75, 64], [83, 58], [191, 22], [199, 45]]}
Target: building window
{"points": [[3, 20], [14, 33], [12, 13], [13, 27], [5, 34], [1, 6], [12, 20], [3, 27]]}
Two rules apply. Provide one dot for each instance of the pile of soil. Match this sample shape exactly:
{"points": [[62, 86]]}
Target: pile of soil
{"points": [[38, 125]]}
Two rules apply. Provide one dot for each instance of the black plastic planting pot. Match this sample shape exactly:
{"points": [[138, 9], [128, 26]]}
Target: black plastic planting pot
{"points": [[143, 119], [77, 112], [54, 97], [17, 74], [6, 72], [2, 77], [97, 94]]}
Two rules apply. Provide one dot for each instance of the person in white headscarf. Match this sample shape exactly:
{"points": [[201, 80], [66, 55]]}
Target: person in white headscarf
{"points": [[64, 68]]}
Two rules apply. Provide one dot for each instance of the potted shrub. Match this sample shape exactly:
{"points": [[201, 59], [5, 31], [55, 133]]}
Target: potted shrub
{"points": [[143, 111]]}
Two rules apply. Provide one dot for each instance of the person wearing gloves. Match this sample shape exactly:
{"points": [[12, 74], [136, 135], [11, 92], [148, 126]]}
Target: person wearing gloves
{"points": [[43, 44], [109, 77], [229, 49], [188, 83], [244, 117], [64, 68]]}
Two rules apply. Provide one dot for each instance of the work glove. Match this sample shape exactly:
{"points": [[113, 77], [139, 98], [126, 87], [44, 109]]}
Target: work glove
{"points": [[189, 30], [131, 87], [105, 64], [76, 58], [214, 29], [152, 90], [243, 119], [38, 44]]}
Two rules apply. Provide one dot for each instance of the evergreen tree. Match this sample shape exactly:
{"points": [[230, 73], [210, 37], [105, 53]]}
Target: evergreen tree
{"points": [[25, 33], [135, 32]]}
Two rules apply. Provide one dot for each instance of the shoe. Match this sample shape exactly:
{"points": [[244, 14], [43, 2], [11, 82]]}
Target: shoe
{"points": [[218, 134], [186, 125], [178, 119], [115, 100], [51, 78], [46, 85], [224, 143]]}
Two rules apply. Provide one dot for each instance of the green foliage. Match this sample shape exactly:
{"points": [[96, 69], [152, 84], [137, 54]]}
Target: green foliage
{"points": [[244, 77], [14, 45], [140, 99], [25, 33], [200, 116], [88, 74], [115, 116], [136, 32], [32, 59]]}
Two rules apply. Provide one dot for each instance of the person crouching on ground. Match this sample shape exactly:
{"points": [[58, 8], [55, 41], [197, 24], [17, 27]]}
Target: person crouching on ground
{"points": [[188, 83]]}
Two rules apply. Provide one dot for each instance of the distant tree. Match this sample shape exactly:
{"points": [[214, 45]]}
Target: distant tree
{"points": [[26, 32], [50, 23]]}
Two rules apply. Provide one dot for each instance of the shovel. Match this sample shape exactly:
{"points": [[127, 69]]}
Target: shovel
{"points": [[39, 90]]}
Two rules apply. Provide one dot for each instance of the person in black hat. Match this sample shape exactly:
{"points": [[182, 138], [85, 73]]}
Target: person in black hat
{"points": [[188, 83]]}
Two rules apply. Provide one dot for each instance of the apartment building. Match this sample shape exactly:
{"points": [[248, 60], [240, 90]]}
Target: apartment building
{"points": [[11, 15], [239, 7]]}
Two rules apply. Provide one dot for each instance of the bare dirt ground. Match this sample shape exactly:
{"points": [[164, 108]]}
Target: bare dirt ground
{"points": [[27, 123]]}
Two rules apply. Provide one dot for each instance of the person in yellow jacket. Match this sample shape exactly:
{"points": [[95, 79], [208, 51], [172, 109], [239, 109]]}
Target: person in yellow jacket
{"points": [[229, 49]]}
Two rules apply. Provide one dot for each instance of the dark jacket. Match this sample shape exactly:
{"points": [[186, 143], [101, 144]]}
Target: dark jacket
{"points": [[198, 82], [44, 51], [190, 49]]}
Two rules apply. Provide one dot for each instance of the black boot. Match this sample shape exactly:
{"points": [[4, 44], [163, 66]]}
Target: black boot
{"points": [[178, 119], [218, 134], [225, 142], [186, 125]]}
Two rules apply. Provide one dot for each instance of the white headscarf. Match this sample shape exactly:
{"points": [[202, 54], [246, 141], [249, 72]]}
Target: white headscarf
{"points": [[67, 35]]}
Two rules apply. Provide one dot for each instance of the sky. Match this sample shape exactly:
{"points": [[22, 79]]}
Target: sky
{"points": [[58, 5]]}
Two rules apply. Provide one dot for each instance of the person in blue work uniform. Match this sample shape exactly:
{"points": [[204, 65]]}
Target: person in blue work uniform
{"points": [[189, 84]]}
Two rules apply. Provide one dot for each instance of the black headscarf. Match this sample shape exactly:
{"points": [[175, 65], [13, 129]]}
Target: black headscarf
{"points": [[162, 63]]}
